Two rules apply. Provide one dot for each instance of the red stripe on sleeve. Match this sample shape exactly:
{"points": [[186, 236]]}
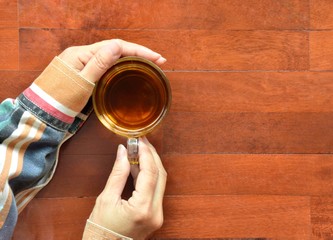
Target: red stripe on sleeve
{"points": [[40, 102]]}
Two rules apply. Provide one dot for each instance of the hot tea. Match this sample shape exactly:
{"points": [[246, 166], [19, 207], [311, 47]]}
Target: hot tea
{"points": [[132, 97], [133, 100]]}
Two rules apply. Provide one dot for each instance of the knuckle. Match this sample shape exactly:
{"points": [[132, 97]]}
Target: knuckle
{"points": [[157, 222], [70, 50], [163, 173], [143, 216], [117, 47], [101, 62], [152, 177], [99, 200], [117, 171], [153, 170], [102, 200], [118, 42]]}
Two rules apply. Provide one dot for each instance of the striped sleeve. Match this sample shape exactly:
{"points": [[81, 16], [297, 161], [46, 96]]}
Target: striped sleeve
{"points": [[32, 128], [58, 95]]}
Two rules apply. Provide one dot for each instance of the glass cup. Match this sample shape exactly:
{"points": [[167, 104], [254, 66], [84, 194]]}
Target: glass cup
{"points": [[131, 99]]}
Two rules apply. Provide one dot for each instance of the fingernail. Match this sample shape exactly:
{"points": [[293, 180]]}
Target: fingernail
{"points": [[143, 139], [163, 59], [121, 151]]}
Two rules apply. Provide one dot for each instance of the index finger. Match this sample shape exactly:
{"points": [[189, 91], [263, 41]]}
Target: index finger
{"points": [[129, 49], [147, 178], [162, 176], [106, 53]]}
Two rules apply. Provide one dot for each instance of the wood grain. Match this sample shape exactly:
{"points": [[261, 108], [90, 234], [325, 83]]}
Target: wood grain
{"points": [[69, 180], [8, 14], [221, 133], [233, 217], [238, 174], [322, 218], [227, 92], [236, 216], [9, 54], [321, 14], [251, 92], [54, 219], [205, 174], [95, 139], [248, 142], [321, 51], [166, 14], [22, 80], [211, 50]]}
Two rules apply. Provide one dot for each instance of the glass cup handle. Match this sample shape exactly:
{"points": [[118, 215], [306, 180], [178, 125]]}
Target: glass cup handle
{"points": [[133, 150]]}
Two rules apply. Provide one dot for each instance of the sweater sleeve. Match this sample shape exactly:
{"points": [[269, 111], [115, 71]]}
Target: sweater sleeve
{"points": [[94, 231], [32, 129]]}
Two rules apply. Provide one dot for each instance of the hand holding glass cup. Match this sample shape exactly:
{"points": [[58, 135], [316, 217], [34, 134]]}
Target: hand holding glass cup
{"points": [[131, 99]]}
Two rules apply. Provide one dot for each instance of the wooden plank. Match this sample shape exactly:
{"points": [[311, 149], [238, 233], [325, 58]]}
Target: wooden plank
{"points": [[251, 91], [211, 50], [22, 81], [79, 176], [194, 14], [9, 39], [211, 174], [54, 219], [82, 176], [322, 218], [236, 216], [242, 15], [95, 139], [205, 133], [199, 217], [228, 92], [8, 14], [321, 15], [321, 50], [238, 174], [37, 49], [202, 133]]}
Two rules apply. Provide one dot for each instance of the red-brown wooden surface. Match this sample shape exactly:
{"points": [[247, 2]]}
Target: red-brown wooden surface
{"points": [[249, 141]]}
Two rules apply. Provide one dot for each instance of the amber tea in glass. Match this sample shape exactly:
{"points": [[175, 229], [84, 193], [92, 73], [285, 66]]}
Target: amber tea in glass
{"points": [[132, 97]]}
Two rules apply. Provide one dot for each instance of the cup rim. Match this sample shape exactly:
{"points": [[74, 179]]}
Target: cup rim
{"points": [[131, 61]]}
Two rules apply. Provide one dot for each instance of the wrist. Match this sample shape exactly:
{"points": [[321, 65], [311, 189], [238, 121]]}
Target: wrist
{"points": [[98, 232]]}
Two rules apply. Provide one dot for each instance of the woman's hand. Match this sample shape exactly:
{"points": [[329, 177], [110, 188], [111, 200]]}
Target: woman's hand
{"points": [[92, 61], [142, 213]]}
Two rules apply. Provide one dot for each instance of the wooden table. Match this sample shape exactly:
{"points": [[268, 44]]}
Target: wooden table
{"points": [[248, 143]]}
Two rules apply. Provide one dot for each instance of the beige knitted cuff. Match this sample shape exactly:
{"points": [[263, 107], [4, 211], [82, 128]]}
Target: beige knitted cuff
{"points": [[65, 85], [94, 231]]}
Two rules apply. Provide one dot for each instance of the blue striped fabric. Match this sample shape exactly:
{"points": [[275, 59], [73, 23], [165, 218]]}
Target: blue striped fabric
{"points": [[30, 138]]}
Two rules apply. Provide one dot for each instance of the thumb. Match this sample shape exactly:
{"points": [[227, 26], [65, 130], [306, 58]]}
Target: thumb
{"points": [[104, 57], [120, 172]]}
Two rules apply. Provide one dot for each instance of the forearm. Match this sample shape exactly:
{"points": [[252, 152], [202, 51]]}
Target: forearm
{"points": [[32, 129], [51, 109], [94, 231]]}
